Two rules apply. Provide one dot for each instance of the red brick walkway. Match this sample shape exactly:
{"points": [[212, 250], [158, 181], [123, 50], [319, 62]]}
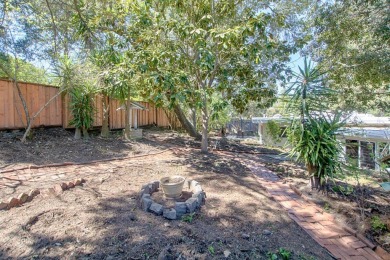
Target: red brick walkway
{"points": [[14, 181], [343, 243]]}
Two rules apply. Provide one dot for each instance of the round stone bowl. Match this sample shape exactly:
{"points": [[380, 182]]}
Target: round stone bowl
{"points": [[172, 186]]}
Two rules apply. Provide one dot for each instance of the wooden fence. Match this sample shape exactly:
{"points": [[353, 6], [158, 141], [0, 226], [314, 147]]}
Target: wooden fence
{"points": [[57, 113]]}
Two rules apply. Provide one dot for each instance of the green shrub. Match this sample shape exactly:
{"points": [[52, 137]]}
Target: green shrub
{"points": [[314, 143], [273, 130], [377, 224]]}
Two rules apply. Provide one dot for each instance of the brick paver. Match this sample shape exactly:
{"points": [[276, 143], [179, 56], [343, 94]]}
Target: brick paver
{"points": [[320, 225]]}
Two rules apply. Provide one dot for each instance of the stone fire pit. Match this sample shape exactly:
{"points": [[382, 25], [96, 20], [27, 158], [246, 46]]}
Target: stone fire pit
{"points": [[188, 198]]}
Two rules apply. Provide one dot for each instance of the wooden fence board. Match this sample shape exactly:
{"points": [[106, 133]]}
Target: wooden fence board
{"points": [[57, 113]]}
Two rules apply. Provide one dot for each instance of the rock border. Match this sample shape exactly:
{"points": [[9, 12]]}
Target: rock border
{"points": [[23, 197], [192, 204]]}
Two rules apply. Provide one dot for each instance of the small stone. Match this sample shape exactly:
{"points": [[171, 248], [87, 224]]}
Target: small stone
{"points": [[146, 203], [167, 225], [132, 217], [3, 205], [33, 193], [193, 184], [156, 185], [58, 244], [199, 196], [146, 195], [151, 187], [245, 236], [197, 189], [48, 192], [226, 253], [77, 182], [64, 186], [181, 209], [58, 189], [266, 232], [191, 204], [70, 185], [13, 202], [169, 213], [156, 208], [22, 197], [146, 188]]}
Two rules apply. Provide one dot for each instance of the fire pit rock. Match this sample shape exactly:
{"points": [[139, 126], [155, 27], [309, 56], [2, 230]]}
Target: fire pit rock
{"points": [[174, 208]]}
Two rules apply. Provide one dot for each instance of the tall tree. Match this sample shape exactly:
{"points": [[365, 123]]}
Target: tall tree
{"points": [[189, 50], [352, 43]]}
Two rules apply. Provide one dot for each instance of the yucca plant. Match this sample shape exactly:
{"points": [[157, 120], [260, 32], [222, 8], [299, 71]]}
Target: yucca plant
{"points": [[81, 81], [82, 109], [313, 136], [315, 144]]}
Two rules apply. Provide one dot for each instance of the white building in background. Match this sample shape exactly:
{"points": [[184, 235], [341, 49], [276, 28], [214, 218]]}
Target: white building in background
{"points": [[365, 138]]}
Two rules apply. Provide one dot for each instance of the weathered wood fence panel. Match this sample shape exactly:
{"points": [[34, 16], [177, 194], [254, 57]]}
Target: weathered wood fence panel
{"points": [[12, 114], [57, 113]]}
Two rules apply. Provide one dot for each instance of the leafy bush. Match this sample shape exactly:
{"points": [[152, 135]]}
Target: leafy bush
{"points": [[81, 106], [377, 224], [273, 130]]}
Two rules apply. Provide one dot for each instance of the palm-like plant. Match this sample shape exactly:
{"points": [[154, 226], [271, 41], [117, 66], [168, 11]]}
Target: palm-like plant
{"points": [[81, 83], [313, 137]]}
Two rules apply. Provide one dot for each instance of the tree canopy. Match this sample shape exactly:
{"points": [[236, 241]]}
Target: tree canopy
{"points": [[352, 44]]}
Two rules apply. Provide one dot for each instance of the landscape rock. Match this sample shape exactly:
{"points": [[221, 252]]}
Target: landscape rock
{"points": [[58, 189], [199, 196], [22, 198], [156, 185], [156, 208], [3, 205], [169, 213], [146, 203], [193, 184], [152, 187], [48, 192], [266, 232], [226, 253], [181, 209], [33, 193], [13, 202], [191, 204], [245, 236], [197, 189], [64, 186], [70, 185], [77, 182]]}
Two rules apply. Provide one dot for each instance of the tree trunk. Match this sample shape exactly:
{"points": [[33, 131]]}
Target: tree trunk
{"points": [[193, 114], [127, 120], [77, 134], [85, 133], [205, 125], [185, 123], [105, 130], [315, 180]]}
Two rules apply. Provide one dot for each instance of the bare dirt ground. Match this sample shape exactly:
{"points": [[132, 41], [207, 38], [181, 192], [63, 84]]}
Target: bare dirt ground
{"points": [[101, 219]]}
